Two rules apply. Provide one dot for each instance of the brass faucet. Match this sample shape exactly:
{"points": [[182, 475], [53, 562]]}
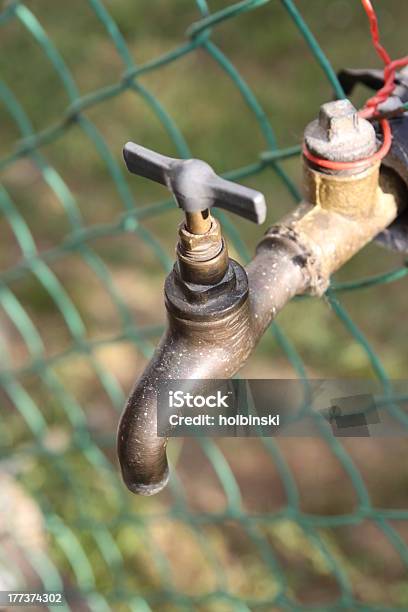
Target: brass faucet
{"points": [[218, 310]]}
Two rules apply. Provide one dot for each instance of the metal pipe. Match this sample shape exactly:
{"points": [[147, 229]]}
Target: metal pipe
{"points": [[296, 256]]}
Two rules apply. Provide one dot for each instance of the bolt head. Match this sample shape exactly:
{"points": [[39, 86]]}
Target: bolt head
{"points": [[339, 134], [337, 118]]}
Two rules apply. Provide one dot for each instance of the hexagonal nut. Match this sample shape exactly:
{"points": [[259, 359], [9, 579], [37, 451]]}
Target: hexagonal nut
{"points": [[339, 134], [201, 246]]}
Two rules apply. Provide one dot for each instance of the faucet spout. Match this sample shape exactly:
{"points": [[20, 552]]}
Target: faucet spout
{"points": [[187, 350], [202, 349]]}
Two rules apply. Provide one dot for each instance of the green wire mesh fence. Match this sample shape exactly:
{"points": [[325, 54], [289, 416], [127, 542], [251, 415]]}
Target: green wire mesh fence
{"points": [[102, 545]]}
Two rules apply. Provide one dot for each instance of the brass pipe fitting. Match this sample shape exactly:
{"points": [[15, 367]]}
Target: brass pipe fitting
{"points": [[202, 258], [330, 236], [352, 195]]}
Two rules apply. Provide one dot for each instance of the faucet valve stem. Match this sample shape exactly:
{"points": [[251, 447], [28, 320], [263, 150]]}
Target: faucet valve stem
{"points": [[198, 222], [201, 251]]}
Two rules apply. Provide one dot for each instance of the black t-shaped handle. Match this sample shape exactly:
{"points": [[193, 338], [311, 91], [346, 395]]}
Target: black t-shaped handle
{"points": [[194, 183]]}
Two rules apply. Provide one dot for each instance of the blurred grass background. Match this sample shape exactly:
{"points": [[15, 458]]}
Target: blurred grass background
{"points": [[269, 53]]}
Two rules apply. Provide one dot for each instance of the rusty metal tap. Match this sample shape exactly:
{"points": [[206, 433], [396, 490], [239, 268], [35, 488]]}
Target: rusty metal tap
{"points": [[217, 310]]}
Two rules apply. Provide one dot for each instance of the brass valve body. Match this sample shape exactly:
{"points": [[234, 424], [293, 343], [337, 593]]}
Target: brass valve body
{"points": [[353, 195]]}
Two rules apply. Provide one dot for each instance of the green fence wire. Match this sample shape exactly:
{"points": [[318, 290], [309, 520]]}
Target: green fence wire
{"points": [[86, 534]]}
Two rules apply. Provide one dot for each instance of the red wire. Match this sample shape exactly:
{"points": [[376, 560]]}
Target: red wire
{"points": [[375, 34], [353, 165], [370, 107]]}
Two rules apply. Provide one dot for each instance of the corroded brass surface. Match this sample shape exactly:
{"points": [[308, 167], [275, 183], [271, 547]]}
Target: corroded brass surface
{"points": [[340, 134], [352, 195], [333, 230]]}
